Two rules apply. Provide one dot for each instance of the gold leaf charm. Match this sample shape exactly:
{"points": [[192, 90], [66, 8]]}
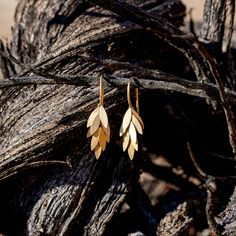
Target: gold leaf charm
{"points": [[126, 121], [131, 125], [99, 129], [92, 117], [103, 116]]}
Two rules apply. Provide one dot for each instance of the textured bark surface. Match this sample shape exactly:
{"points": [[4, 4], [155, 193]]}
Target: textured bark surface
{"points": [[51, 183]]}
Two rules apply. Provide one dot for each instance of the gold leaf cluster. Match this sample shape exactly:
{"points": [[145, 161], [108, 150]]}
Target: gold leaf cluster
{"points": [[99, 130], [131, 125]]}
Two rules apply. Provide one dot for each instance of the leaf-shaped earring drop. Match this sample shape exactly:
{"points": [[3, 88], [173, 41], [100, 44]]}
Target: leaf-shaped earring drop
{"points": [[98, 125], [131, 125]]}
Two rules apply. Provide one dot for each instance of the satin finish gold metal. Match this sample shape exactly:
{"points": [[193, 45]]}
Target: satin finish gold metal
{"points": [[99, 129], [131, 125]]}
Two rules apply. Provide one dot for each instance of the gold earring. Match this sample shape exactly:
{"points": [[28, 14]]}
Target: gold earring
{"points": [[131, 124], [98, 125]]}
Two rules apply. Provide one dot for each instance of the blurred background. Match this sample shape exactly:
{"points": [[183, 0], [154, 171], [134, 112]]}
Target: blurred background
{"points": [[7, 8]]}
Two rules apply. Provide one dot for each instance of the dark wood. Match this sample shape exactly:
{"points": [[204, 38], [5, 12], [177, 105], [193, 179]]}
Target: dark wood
{"points": [[213, 27], [51, 183]]}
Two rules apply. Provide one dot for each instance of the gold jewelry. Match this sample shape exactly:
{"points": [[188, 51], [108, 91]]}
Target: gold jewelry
{"points": [[98, 125], [131, 124]]}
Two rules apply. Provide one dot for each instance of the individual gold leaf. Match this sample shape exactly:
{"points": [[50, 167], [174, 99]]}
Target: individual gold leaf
{"points": [[94, 140], [131, 152], [135, 145], [126, 121], [95, 125], [125, 140], [89, 133], [102, 139], [92, 117], [107, 132], [138, 117], [98, 151], [133, 134], [103, 116], [137, 124]]}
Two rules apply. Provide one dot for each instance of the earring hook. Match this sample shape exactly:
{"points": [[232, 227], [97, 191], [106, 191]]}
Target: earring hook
{"points": [[136, 97], [101, 92], [128, 95], [137, 100]]}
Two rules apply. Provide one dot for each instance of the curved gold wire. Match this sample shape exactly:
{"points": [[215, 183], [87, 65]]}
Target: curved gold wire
{"points": [[136, 97], [128, 94], [137, 100], [101, 92]]}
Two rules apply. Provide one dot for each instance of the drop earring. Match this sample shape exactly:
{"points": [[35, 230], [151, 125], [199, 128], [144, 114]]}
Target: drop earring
{"points": [[98, 125], [131, 124]]}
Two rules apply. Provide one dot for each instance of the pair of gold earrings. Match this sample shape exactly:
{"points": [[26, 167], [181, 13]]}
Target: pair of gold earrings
{"points": [[99, 129]]}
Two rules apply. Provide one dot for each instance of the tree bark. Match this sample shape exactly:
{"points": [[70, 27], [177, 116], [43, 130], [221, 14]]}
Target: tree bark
{"points": [[51, 183]]}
